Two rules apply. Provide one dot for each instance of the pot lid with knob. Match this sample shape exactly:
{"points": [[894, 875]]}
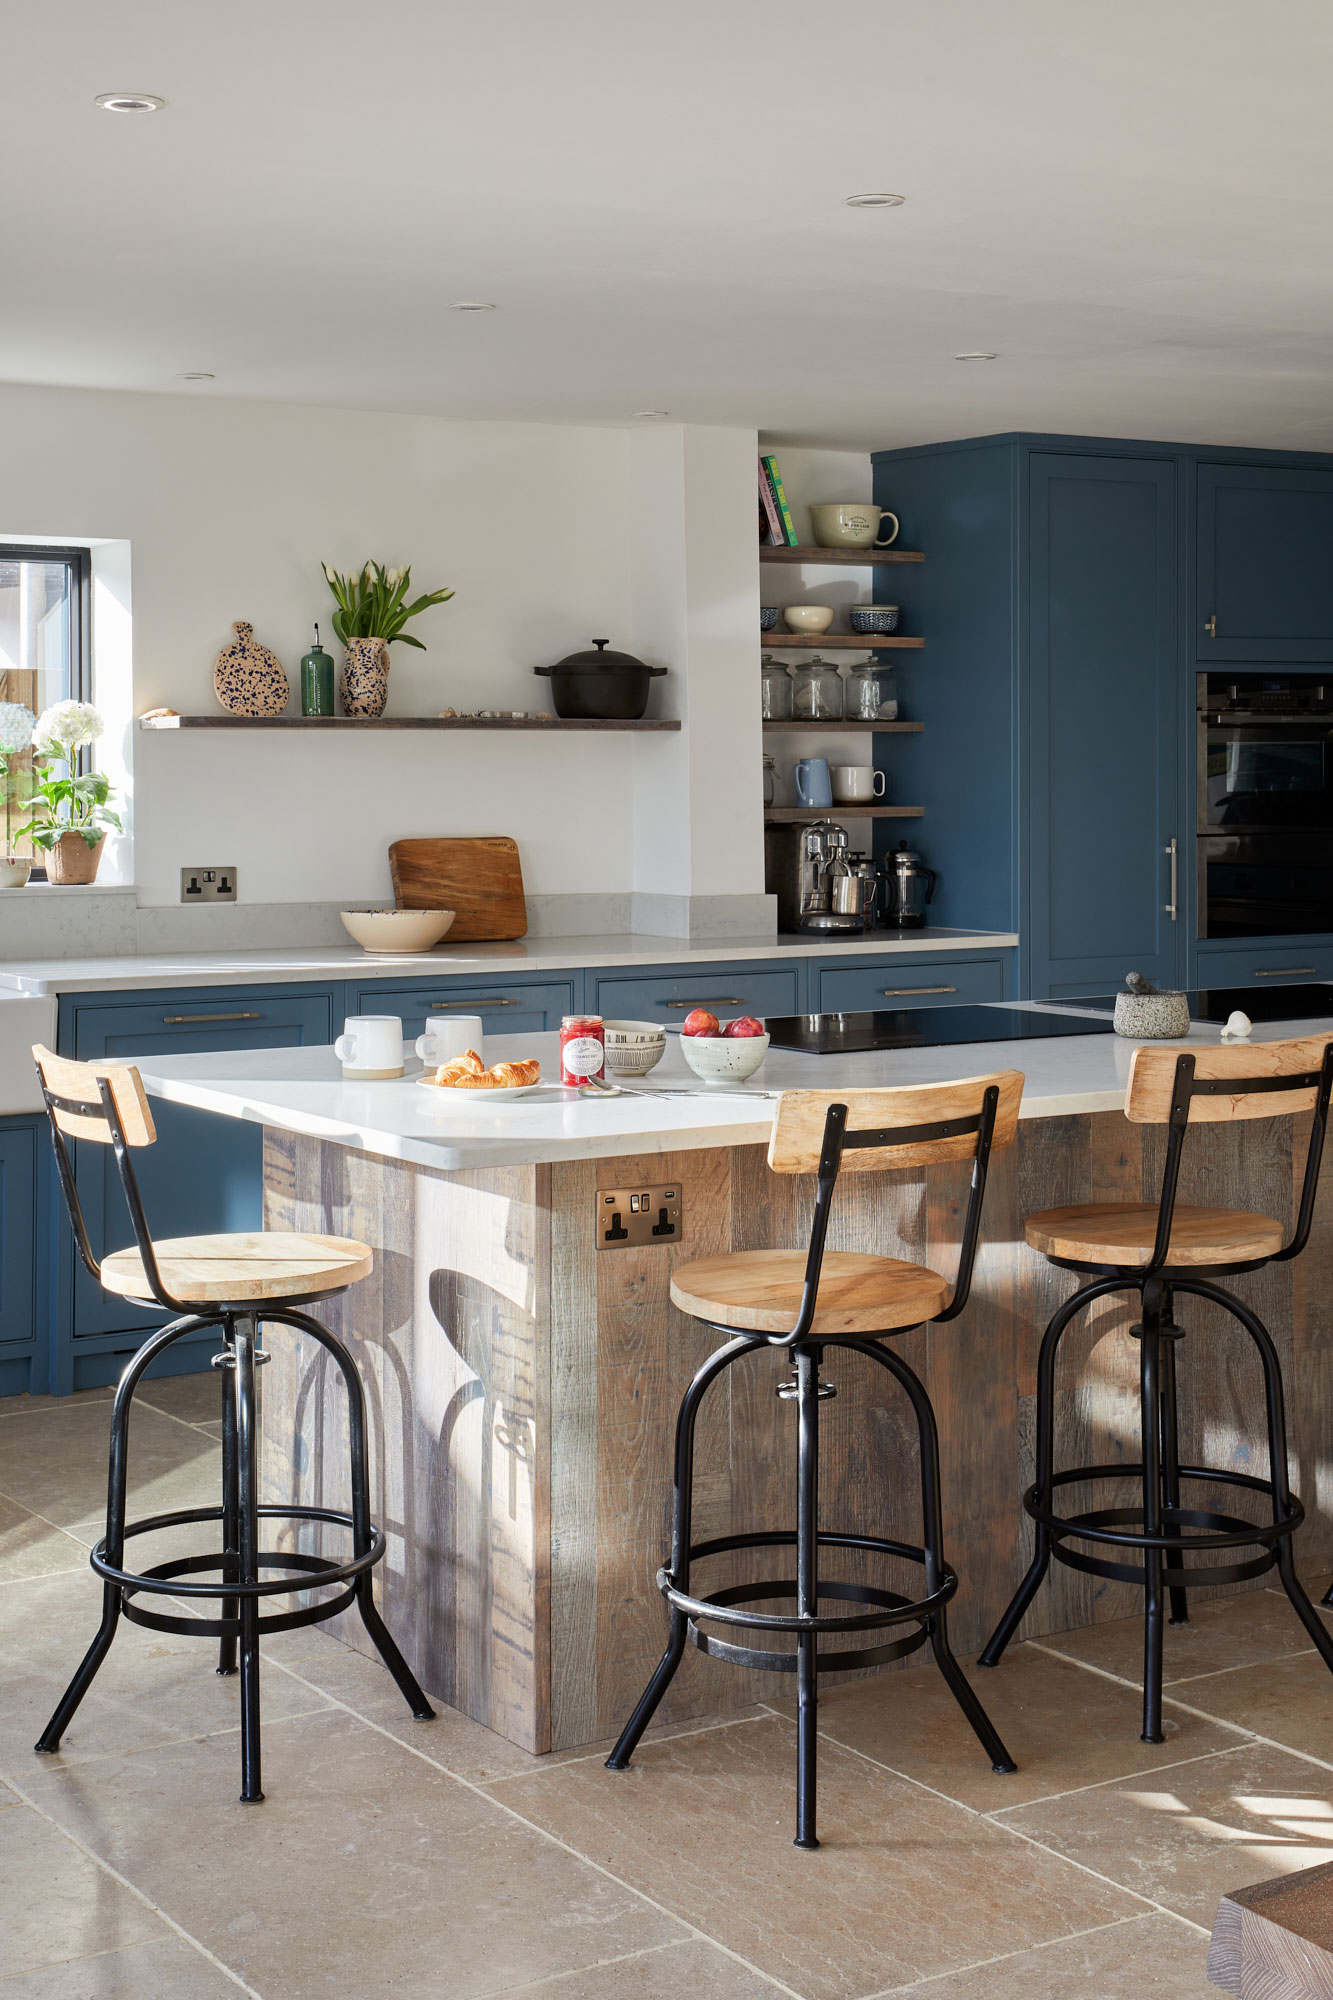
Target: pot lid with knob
{"points": [[598, 657]]}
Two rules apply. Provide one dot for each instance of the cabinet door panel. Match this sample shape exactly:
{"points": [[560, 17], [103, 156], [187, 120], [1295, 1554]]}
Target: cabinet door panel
{"points": [[205, 1173], [858, 988], [726, 990], [18, 1232], [1102, 697], [1264, 568], [504, 1010]]}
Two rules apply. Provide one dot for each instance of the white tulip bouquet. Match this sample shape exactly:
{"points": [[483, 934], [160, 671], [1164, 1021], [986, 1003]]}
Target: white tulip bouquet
{"points": [[372, 603]]}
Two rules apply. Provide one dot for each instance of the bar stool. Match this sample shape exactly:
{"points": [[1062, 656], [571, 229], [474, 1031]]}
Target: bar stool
{"points": [[231, 1282], [1160, 1251], [807, 1301]]}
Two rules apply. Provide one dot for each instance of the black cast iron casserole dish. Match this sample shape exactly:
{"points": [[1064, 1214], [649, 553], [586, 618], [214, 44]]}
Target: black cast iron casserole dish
{"points": [[600, 686]]}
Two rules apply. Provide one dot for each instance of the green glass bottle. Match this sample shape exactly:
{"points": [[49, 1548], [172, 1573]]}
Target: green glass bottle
{"points": [[317, 681]]}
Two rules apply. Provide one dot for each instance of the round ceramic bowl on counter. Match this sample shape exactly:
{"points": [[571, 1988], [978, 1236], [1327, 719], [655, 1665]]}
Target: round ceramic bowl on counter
{"points": [[633, 1047], [396, 930], [724, 1059]]}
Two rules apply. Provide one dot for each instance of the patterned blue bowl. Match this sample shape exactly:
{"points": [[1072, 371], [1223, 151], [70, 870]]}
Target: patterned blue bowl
{"points": [[873, 617], [768, 617]]}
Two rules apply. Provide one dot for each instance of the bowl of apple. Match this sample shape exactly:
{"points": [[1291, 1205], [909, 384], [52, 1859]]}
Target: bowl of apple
{"points": [[721, 1055]]}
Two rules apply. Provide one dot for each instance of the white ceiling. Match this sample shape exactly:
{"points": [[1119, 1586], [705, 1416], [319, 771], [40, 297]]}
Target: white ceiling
{"points": [[1133, 202]]}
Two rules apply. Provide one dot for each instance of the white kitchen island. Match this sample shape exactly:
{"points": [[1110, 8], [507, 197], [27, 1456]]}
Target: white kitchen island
{"points": [[523, 1381]]}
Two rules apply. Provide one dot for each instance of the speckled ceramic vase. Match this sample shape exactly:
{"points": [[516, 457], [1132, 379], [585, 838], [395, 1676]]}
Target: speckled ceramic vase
{"points": [[365, 677], [72, 860]]}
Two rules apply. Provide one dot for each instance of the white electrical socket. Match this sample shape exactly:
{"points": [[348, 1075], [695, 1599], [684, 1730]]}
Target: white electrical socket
{"points": [[208, 885]]}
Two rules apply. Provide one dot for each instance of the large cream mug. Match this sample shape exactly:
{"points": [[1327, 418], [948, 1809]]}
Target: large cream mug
{"points": [[371, 1046], [857, 784], [852, 524], [445, 1039]]}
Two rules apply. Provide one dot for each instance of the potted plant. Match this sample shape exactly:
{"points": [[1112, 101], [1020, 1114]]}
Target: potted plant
{"points": [[17, 723], [372, 610], [70, 816]]}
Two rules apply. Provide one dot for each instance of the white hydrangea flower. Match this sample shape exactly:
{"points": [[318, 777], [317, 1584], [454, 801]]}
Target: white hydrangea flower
{"points": [[65, 725], [17, 723]]}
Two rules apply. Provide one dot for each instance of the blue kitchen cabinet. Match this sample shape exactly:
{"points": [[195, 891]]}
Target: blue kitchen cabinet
{"points": [[1224, 962], [204, 1174], [24, 1255], [667, 994], [506, 1007], [1264, 572], [857, 985]]}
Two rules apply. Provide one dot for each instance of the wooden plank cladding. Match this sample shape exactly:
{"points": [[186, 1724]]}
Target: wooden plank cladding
{"points": [[524, 1385]]}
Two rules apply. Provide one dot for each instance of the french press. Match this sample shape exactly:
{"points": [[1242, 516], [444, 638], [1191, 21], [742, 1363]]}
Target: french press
{"points": [[910, 887]]}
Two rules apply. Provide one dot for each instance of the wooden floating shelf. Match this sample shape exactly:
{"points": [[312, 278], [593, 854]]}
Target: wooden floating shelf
{"points": [[836, 642], [800, 815], [858, 558], [552, 728], [872, 728]]}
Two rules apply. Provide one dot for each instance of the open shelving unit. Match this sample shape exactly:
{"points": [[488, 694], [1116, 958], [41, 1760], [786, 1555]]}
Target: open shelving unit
{"points": [[800, 815], [874, 727], [836, 642], [555, 727], [810, 552]]}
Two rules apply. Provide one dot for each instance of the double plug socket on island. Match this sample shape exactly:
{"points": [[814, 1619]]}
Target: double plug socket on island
{"points": [[208, 885]]}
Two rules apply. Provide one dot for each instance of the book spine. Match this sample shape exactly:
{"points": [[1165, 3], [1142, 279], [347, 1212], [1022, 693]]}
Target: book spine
{"points": [[771, 467], [776, 533]]}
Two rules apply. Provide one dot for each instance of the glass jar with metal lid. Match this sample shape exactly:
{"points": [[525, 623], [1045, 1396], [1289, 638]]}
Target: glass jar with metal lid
{"points": [[775, 690], [862, 691], [817, 691]]}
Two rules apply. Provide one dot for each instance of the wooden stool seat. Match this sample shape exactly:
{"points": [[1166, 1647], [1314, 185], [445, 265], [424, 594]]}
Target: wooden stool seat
{"points": [[1123, 1233], [759, 1291], [242, 1269]]}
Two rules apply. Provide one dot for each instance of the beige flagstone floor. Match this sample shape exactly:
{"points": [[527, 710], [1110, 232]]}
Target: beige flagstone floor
{"points": [[434, 1859]]}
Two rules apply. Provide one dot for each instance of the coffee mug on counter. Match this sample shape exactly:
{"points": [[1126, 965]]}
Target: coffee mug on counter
{"points": [[852, 524], [855, 784], [811, 777], [370, 1047], [443, 1040]]}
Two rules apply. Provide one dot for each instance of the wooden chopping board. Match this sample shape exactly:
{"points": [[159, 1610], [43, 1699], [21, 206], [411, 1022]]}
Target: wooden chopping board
{"points": [[479, 877]]}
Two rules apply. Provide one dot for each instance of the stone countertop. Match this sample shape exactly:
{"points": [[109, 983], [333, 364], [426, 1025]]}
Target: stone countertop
{"points": [[302, 1090], [531, 954]]}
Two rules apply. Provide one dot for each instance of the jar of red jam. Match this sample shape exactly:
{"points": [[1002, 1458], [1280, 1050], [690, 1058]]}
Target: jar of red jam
{"points": [[582, 1047]]}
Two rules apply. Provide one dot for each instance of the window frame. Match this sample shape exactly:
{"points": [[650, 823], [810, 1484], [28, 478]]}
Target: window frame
{"points": [[79, 559]]}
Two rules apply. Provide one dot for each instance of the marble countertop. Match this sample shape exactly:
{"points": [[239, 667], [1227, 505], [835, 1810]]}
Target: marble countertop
{"points": [[302, 1090], [531, 954]]}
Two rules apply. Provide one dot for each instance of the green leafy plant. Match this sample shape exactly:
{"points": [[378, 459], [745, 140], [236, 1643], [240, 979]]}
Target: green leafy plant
{"points": [[373, 603], [65, 799]]}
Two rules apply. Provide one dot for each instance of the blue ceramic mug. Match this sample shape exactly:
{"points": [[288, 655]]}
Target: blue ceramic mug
{"points": [[813, 786]]}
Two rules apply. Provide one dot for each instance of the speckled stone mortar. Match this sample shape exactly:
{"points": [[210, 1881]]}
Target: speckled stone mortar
{"points": [[1152, 1017]]}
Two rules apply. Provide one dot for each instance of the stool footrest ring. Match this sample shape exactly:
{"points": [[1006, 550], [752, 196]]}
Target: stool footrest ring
{"points": [[1114, 1527], [165, 1578]]}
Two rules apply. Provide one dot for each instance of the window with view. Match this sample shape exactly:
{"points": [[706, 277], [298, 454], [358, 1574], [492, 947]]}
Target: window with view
{"points": [[44, 599]]}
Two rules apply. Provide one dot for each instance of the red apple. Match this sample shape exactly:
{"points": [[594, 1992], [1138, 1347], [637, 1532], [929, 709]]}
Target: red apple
{"points": [[743, 1026], [699, 1022]]}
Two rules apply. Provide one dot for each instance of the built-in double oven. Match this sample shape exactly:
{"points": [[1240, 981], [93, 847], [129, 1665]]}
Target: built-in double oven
{"points": [[1265, 804]]}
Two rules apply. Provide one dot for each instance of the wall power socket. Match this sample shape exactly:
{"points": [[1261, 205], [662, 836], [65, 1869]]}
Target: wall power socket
{"points": [[208, 885]]}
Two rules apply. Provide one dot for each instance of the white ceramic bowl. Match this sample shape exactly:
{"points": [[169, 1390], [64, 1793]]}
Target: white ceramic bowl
{"points": [[724, 1058], [808, 617], [397, 930], [633, 1047]]}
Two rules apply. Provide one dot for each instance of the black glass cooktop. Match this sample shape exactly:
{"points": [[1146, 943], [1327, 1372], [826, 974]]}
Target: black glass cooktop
{"points": [[923, 1028], [1262, 1002]]}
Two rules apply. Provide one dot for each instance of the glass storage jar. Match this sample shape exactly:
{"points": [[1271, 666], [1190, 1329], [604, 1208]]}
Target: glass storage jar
{"points": [[862, 691], [817, 695], [775, 690], [770, 782]]}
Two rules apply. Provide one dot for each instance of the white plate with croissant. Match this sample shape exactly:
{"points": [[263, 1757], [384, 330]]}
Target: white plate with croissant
{"points": [[468, 1074]]}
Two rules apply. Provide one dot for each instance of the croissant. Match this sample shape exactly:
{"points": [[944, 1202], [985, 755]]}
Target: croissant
{"points": [[510, 1074], [466, 1081], [469, 1064]]}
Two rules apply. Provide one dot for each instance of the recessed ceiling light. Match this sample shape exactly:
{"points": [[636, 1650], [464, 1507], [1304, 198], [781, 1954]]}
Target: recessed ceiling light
{"points": [[472, 306], [196, 375], [652, 413], [129, 100], [982, 354], [874, 200]]}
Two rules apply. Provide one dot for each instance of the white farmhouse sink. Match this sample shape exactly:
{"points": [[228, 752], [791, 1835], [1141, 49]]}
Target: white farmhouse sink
{"points": [[23, 1021]]}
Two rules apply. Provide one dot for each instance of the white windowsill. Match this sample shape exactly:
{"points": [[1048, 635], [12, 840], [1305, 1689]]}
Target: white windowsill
{"points": [[74, 889]]}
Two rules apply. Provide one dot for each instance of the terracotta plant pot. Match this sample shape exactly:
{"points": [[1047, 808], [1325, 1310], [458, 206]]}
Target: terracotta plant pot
{"points": [[72, 860], [13, 871], [365, 677]]}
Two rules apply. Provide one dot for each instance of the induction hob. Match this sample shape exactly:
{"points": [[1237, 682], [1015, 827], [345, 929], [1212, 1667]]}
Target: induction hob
{"points": [[1293, 1002], [923, 1028]]}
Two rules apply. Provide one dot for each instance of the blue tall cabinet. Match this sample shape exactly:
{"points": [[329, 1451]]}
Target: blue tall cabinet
{"points": [[1073, 589]]}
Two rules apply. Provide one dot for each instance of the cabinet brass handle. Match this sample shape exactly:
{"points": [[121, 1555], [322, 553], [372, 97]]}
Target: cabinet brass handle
{"points": [[488, 1000], [734, 1001], [173, 1020], [896, 992], [1210, 626], [1285, 971], [1172, 908]]}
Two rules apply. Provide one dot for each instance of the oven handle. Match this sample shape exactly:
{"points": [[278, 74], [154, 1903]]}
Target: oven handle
{"points": [[1285, 971]]}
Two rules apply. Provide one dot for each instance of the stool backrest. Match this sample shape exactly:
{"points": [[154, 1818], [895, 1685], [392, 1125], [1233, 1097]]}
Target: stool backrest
{"points": [[910, 1125]]}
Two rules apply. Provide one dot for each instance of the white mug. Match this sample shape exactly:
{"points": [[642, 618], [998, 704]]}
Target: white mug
{"points": [[853, 783], [443, 1040], [371, 1046]]}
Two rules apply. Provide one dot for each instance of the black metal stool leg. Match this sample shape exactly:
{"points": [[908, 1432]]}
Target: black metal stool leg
{"points": [[1177, 1597], [807, 1592], [230, 1503], [1150, 1416], [252, 1787], [677, 1629]]}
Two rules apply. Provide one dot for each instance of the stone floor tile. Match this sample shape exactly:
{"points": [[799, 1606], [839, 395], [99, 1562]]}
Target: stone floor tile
{"points": [[363, 1857], [195, 1399], [1062, 1726], [694, 1969], [167, 1969], [54, 1462], [1188, 1834], [1289, 1700], [1144, 1958], [1222, 1632], [30, 1546], [57, 1904], [20, 1406], [906, 1884], [153, 1687]]}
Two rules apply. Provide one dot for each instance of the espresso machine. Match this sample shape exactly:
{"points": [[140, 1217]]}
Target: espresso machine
{"points": [[818, 890]]}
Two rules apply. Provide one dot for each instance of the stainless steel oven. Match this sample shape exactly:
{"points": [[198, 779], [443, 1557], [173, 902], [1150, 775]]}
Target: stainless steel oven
{"points": [[1265, 805]]}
